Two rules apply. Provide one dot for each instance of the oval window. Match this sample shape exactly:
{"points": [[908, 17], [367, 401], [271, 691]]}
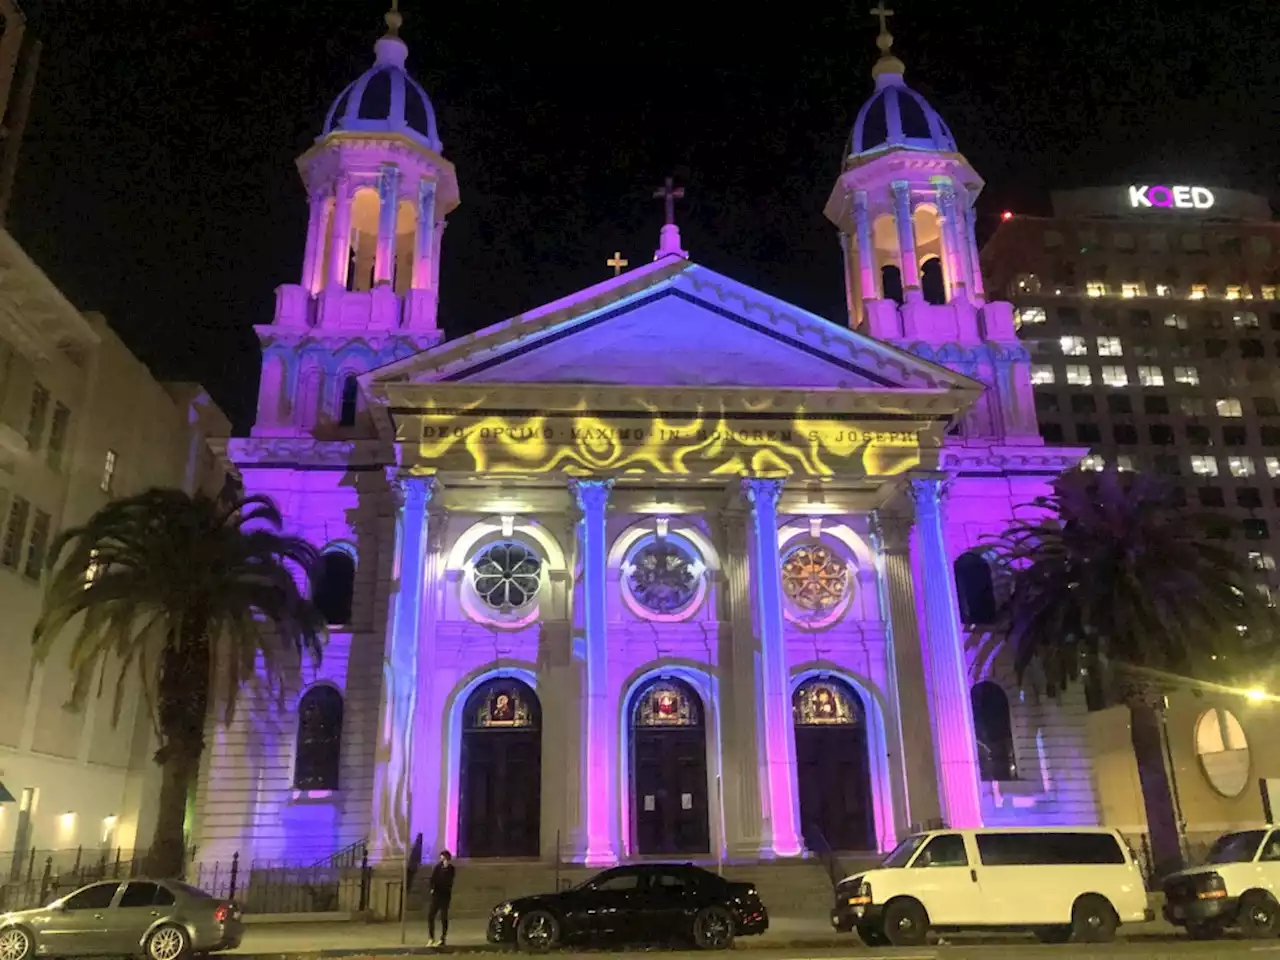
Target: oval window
{"points": [[1223, 751]]}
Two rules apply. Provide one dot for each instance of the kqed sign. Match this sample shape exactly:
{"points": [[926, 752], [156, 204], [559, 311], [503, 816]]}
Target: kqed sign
{"points": [[1145, 195]]}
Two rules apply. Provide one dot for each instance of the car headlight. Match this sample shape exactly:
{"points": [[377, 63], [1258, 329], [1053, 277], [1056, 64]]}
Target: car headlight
{"points": [[503, 909]]}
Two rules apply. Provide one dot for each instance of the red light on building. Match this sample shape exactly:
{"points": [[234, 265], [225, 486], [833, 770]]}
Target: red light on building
{"points": [[1007, 215]]}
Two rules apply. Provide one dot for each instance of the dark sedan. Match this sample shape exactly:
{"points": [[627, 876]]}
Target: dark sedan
{"points": [[158, 919], [645, 903]]}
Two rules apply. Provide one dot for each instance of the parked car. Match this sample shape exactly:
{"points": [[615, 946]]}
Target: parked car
{"points": [[1060, 884], [1236, 886], [645, 903], [158, 919]]}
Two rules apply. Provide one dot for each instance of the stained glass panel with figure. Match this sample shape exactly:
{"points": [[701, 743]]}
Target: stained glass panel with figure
{"points": [[501, 703], [824, 703], [667, 703]]}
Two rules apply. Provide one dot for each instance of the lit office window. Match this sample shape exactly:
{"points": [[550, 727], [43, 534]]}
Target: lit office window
{"points": [[1029, 315], [1204, 466], [1115, 376], [1074, 346], [1041, 373], [1095, 289], [1230, 407], [1110, 347], [1245, 320], [1187, 375], [1268, 292], [1078, 375], [1151, 376], [1233, 292], [1199, 291], [1124, 463], [1177, 321], [1273, 466], [1093, 462], [1164, 290], [1130, 290], [1261, 561], [1241, 466]]}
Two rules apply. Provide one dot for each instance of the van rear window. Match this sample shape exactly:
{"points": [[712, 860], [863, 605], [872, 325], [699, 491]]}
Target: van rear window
{"points": [[1044, 849]]}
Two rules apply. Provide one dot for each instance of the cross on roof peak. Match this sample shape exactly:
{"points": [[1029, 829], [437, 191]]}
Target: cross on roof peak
{"points": [[669, 193]]}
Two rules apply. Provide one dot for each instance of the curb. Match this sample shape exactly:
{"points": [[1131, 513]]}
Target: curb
{"points": [[812, 943]]}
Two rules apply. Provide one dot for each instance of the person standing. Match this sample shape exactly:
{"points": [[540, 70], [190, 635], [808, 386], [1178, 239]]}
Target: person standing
{"points": [[440, 890]]}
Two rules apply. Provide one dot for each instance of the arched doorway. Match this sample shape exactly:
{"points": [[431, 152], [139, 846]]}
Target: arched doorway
{"points": [[500, 789], [833, 767], [668, 769]]}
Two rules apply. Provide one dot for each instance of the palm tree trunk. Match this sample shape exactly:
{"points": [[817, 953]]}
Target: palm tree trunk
{"points": [[1147, 735], [184, 698]]}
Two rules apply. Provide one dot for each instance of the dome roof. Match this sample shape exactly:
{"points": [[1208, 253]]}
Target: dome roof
{"points": [[385, 99], [897, 116]]}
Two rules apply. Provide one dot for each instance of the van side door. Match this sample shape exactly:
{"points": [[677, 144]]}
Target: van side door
{"points": [[942, 878]]}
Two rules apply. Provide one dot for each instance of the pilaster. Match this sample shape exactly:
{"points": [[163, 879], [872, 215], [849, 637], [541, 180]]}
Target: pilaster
{"points": [[340, 238], [393, 785], [868, 281], [906, 239], [424, 240], [919, 789], [600, 784], [312, 270], [429, 726], [388, 206], [782, 797], [950, 710], [955, 259], [971, 248]]}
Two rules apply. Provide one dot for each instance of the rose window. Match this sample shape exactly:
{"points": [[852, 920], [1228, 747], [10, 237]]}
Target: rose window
{"points": [[663, 577], [814, 578], [507, 575]]}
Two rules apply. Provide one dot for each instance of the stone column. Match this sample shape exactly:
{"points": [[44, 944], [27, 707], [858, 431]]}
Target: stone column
{"points": [[866, 249], [312, 271], [393, 778], [429, 722], [783, 835], [740, 722], [907, 674], [971, 248], [906, 238], [600, 782], [950, 710], [340, 235], [424, 236], [955, 260], [384, 263]]}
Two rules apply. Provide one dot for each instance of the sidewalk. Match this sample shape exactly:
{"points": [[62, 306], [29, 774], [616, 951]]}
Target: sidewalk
{"points": [[468, 934]]}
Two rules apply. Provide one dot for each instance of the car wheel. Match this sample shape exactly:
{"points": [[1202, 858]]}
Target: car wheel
{"points": [[713, 929], [1204, 931], [1052, 934], [538, 932], [1093, 920], [15, 944], [906, 924], [1258, 918], [169, 942], [872, 935]]}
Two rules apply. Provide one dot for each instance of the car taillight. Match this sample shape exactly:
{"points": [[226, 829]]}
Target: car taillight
{"points": [[223, 913]]}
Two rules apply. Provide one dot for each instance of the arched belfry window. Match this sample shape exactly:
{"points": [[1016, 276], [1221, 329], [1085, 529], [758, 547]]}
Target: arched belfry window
{"points": [[335, 586], [993, 730], [975, 589], [347, 406], [891, 282], [931, 283], [319, 752]]}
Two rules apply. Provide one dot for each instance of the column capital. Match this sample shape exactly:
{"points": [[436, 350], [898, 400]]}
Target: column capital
{"points": [[762, 492], [928, 493], [892, 531], [590, 493], [413, 490], [860, 201], [901, 189]]}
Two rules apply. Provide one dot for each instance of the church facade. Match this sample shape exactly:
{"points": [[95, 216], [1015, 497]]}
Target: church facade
{"points": [[667, 566]]}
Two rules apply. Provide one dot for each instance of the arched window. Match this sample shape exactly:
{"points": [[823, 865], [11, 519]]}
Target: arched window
{"points": [[993, 729], [335, 586], [975, 589], [350, 393], [667, 703], [891, 282], [931, 283], [319, 750], [825, 702]]}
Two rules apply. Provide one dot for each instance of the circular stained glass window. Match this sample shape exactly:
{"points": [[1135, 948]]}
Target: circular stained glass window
{"points": [[814, 578], [507, 575], [664, 577]]}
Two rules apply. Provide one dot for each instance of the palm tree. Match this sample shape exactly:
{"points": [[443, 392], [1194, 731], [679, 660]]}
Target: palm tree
{"points": [[1114, 586], [195, 596]]}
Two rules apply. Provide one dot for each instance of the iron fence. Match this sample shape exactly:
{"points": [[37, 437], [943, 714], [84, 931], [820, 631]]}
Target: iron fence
{"points": [[339, 883]]}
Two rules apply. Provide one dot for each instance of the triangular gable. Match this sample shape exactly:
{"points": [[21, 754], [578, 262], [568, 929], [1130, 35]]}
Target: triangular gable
{"points": [[674, 323]]}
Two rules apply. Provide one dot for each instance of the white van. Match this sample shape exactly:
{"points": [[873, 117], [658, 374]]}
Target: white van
{"points": [[1069, 883], [1236, 886]]}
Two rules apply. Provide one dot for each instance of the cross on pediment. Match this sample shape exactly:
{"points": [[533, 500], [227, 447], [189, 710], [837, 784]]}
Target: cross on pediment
{"points": [[617, 261], [669, 193]]}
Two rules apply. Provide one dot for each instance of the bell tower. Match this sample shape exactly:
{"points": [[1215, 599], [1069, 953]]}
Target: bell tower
{"points": [[904, 207], [379, 190]]}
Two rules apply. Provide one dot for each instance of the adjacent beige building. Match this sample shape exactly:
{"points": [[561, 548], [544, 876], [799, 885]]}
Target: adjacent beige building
{"points": [[81, 421]]}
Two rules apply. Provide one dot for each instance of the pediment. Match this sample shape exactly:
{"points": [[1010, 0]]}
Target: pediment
{"points": [[674, 324]]}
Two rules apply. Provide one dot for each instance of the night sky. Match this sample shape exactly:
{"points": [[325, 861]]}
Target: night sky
{"points": [[158, 182]]}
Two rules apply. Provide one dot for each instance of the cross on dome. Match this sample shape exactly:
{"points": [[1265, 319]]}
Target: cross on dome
{"points": [[888, 63]]}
